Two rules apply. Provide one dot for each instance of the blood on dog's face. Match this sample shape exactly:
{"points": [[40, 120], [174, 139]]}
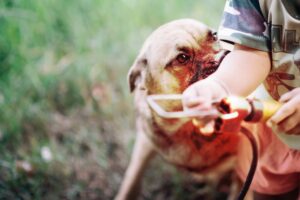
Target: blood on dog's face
{"points": [[172, 58], [184, 64], [175, 56]]}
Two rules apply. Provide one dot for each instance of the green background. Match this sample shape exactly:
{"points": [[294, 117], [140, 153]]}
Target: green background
{"points": [[63, 88]]}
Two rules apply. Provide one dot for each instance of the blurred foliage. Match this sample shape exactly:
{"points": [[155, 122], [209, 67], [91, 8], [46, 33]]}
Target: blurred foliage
{"points": [[63, 68]]}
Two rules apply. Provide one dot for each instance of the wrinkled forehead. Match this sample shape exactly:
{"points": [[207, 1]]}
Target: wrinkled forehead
{"points": [[172, 38], [188, 33]]}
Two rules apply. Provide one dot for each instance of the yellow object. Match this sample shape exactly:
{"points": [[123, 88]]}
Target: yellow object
{"points": [[269, 109], [233, 110], [251, 110]]}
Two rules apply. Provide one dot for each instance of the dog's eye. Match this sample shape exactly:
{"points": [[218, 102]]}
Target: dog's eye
{"points": [[183, 58]]}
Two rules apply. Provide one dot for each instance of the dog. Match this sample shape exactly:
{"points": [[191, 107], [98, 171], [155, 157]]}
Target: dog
{"points": [[173, 57]]}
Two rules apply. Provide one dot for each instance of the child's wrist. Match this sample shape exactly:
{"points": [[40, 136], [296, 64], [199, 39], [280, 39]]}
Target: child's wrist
{"points": [[222, 89]]}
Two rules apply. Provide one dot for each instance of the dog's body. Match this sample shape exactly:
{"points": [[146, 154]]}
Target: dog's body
{"points": [[173, 57]]}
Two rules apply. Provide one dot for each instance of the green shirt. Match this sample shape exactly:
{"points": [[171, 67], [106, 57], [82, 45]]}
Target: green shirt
{"points": [[267, 25]]}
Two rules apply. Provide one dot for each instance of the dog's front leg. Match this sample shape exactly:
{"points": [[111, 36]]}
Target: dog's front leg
{"points": [[143, 151]]}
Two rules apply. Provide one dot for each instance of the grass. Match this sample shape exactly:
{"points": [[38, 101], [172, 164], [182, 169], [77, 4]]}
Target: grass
{"points": [[63, 88]]}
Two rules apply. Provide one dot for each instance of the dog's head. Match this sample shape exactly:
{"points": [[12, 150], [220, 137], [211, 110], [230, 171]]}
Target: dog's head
{"points": [[176, 55]]}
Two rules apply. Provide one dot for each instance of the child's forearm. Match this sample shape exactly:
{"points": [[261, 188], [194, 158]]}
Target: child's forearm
{"points": [[240, 73], [243, 70]]}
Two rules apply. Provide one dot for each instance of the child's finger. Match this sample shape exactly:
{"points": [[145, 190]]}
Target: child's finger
{"points": [[289, 95], [286, 97], [193, 102], [201, 101], [294, 131], [198, 103], [204, 104], [285, 111], [289, 123]]}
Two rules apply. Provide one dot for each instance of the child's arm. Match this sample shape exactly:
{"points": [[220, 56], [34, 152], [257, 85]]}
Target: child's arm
{"points": [[240, 73]]}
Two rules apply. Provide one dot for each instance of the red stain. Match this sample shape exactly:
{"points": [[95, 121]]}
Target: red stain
{"points": [[276, 80], [200, 152], [203, 61], [187, 147]]}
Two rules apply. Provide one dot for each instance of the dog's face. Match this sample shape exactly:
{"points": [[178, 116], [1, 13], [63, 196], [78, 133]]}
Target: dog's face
{"points": [[176, 55], [172, 58]]}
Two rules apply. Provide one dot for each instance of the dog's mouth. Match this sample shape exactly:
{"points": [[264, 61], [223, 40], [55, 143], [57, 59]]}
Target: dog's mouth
{"points": [[212, 66], [207, 68], [220, 56]]}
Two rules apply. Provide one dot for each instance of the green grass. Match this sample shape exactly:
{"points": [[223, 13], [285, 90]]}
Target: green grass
{"points": [[63, 68]]}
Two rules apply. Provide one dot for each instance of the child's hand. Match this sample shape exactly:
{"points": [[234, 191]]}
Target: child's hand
{"points": [[201, 94], [287, 118]]}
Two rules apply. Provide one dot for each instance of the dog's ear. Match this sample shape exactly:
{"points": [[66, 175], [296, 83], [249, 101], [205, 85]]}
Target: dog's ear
{"points": [[134, 76]]}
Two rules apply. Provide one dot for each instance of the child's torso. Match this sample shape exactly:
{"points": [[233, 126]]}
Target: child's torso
{"points": [[284, 31]]}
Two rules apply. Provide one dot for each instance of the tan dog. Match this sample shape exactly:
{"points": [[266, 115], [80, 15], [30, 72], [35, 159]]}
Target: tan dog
{"points": [[176, 55]]}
